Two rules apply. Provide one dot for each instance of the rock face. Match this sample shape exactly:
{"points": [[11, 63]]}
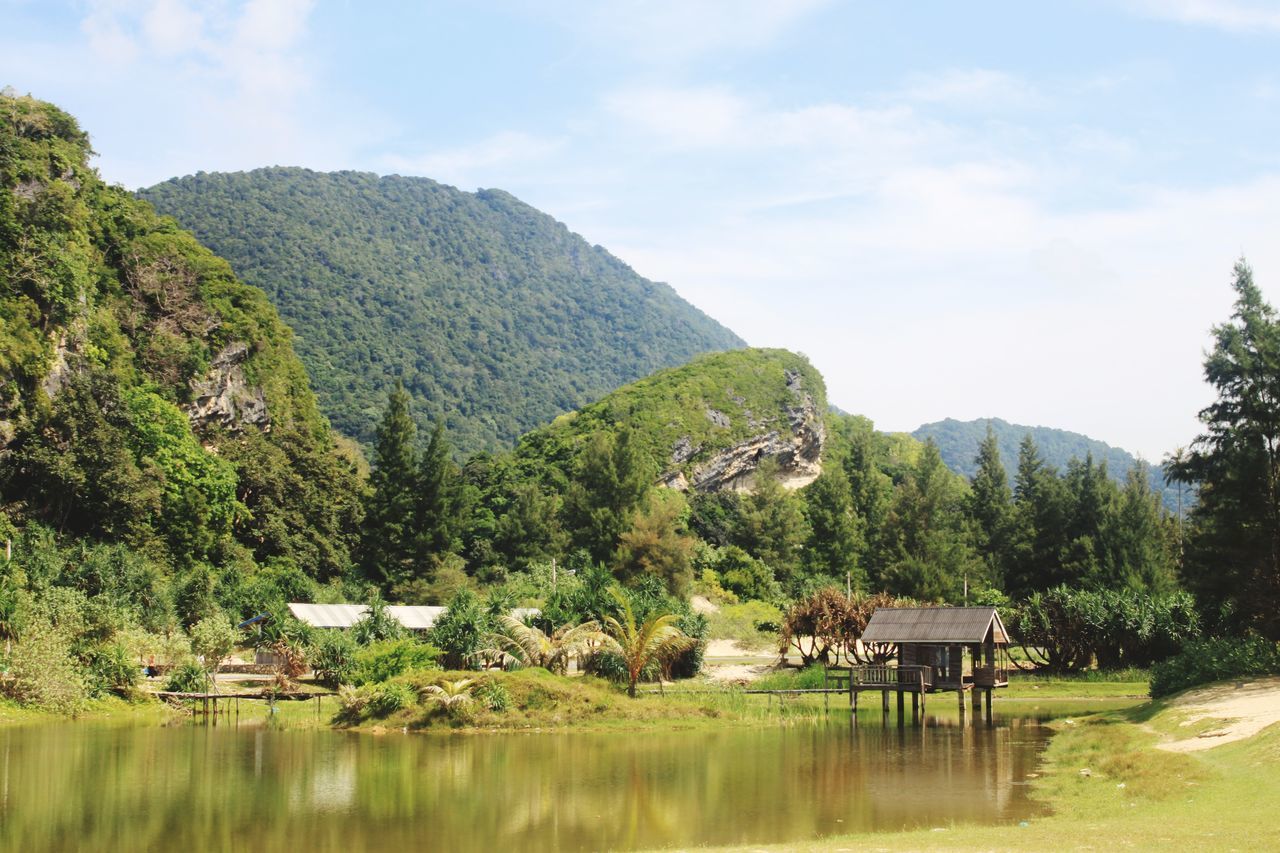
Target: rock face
{"points": [[797, 450], [224, 397]]}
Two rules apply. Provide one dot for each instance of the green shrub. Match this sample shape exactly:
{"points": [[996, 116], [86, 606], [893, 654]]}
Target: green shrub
{"points": [[379, 662], [186, 677], [44, 674], [751, 624], [386, 699], [1203, 661], [333, 657], [493, 696], [461, 630], [112, 670]]}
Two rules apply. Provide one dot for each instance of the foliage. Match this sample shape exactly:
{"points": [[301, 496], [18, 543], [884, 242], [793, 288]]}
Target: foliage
{"points": [[639, 643], [382, 661], [451, 695], [111, 669], [960, 443], [528, 645], [43, 672], [400, 277], [212, 640], [826, 625], [111, 318], [333, 657], [1215, 659], [1065, 630], [751, 624], [187, 677], [386, 699], [1233, 558], [377, 625], [461, 630]]}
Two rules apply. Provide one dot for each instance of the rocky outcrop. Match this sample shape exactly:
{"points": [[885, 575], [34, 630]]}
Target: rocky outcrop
{"points": [[797, 448], [223, 397]]}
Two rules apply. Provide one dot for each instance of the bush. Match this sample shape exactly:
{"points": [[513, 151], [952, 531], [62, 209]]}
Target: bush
{"points": [[112, 670], [44, 674], [461, 630], [386, 699], [751, 624], [333, 657], [379, 662], [493, 696], [186, 677], [1203, 661]]}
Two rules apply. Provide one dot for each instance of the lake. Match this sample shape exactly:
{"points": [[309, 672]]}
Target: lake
{"points": [[92, 786]]}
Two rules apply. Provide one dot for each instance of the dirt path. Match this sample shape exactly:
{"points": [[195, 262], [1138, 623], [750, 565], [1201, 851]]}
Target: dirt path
{"points": [[1244, 711]]}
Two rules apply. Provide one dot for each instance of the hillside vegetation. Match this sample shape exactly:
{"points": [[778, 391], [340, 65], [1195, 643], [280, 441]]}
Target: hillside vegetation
{"points": [[494, 316], [958, 442]]}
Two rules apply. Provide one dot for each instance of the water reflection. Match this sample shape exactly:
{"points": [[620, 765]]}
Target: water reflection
{"points": [[85, 787]]}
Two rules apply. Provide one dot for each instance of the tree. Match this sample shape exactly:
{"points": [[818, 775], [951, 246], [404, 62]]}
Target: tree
{"points": [[658, 542], [212, 639], [926, 534], [611, 477], [1038, 525], [774, 528], [990, 506], [388, 537], [1233, 560], [836, 542], [638, 644], [528, 645], [439, 511]]}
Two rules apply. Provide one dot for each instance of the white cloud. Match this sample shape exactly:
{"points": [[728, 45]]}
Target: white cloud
{"points": [[484, 163], [1232, 15], [664, 31], [972, 87]]}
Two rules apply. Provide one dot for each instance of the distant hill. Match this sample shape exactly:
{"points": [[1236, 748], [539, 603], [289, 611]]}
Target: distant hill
{"points": [[958, 443], [495, 316], [709, 423]]}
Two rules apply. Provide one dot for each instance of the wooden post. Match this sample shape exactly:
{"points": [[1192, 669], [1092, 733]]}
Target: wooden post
{"points": [[915, 707], [988, 701], [901, 713], [960, 700], [976, 700], [884, 703]]}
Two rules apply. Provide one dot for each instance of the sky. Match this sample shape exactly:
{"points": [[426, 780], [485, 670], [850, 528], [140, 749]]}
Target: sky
{"points": [[989, 209]]}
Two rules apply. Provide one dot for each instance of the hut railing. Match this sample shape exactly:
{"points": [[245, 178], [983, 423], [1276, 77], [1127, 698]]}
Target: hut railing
{"points": [[876, 675]]}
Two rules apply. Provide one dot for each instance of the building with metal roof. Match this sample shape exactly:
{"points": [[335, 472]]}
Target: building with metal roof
{"points": [[413, 617]]}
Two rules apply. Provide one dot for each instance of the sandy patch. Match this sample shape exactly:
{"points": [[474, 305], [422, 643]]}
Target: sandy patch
{"points": [[702, 604], [1244, 711]]}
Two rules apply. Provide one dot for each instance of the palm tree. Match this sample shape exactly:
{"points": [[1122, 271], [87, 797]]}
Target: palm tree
{"points": [[525, 645], [657, 637], [450, 694]]}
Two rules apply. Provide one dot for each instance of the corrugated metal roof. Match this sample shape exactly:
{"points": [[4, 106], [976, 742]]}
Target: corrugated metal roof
{"points": [[933, 625], [329, 615], [413, 617]]}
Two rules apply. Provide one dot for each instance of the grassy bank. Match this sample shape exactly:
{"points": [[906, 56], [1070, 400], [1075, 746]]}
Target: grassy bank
{"points": [[1109, 787]]}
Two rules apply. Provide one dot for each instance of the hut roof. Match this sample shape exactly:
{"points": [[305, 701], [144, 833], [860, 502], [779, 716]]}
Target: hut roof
{"points": [[933, 625], [415, 618]]}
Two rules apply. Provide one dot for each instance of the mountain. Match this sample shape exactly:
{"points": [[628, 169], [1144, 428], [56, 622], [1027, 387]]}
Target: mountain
{"points": [[958, 443], [494, 316], [148, 398], [707, 424]]}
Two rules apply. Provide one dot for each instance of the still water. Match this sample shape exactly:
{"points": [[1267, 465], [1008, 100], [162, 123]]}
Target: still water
{"points": [[253, 787]]}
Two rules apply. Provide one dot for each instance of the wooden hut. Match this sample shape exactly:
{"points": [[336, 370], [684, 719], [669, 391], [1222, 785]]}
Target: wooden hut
{"points": [[932, 643]]}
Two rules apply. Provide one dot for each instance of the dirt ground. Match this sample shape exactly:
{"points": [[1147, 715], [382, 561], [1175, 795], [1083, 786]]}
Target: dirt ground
{"points": [[1244, 710]]}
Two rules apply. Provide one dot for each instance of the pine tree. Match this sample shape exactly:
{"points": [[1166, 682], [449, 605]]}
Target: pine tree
{"points": [[611, 478], [1233, 559], [990, 506], [1039, 524], [1140, 542], [835, 540], [388, 540], [439, 510]]}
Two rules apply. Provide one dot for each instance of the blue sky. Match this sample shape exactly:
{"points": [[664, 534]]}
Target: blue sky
{"points": [[1011, 209]]}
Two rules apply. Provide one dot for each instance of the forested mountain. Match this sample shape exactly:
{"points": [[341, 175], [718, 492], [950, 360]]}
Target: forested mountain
{"points": [[150, 403], [958, 442], [494, 316]]}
